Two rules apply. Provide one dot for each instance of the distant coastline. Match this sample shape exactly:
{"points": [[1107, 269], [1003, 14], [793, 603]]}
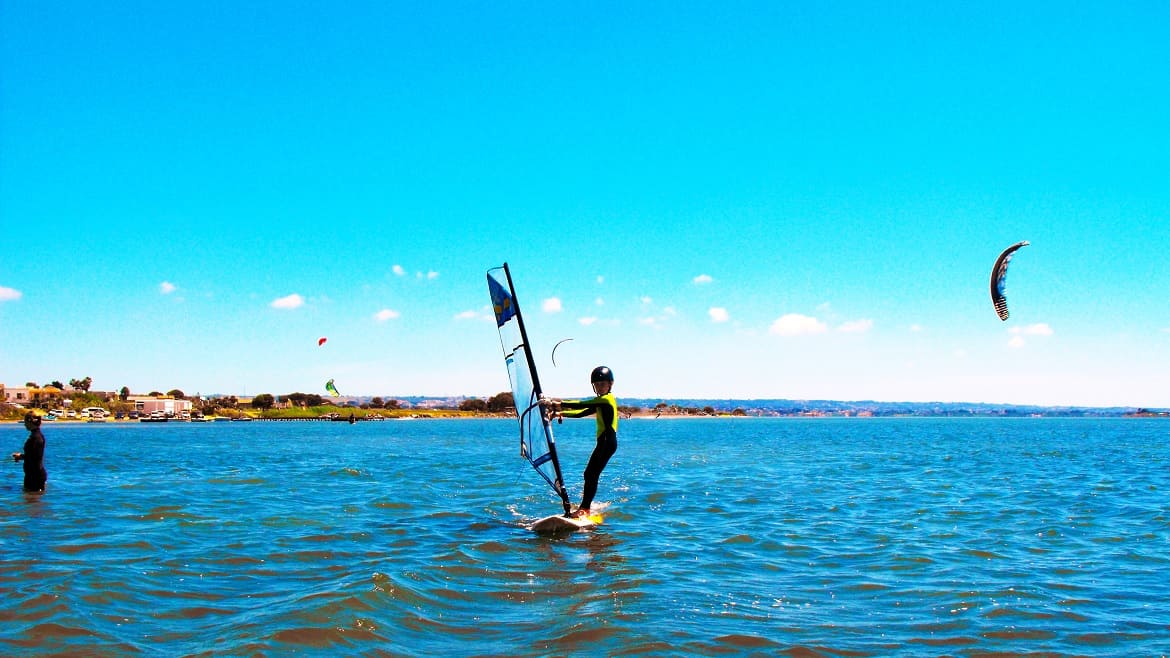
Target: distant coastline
{"points": [[426, 407]]}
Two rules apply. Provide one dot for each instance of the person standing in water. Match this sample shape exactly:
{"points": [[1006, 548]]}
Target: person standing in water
{"points": [[33, 455], [605, 408]]}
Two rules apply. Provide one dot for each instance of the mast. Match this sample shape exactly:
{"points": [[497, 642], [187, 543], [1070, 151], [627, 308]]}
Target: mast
{"points": [[559, 485]]}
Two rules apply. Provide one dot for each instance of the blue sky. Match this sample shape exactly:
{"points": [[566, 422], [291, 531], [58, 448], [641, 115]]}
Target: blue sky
{"points": [[752, 200]]}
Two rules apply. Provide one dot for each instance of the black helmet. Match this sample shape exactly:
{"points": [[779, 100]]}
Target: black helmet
{"points": [[601, 374]]}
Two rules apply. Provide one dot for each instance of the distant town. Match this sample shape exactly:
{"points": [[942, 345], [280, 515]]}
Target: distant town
{"points": [[75, 401]]}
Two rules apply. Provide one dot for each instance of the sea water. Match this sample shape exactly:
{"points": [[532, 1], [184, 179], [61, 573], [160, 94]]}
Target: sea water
{"points": [[812, 537]]}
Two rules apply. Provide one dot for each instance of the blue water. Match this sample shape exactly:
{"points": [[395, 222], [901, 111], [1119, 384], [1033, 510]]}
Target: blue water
{"points": [[809, 537]]}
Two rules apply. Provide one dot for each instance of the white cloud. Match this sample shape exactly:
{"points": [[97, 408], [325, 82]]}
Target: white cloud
{"points": [[587, 321], [915, 328], [386, 314], [856, 326], [1018, 333], [551, 305], [429, 275], [647, 301], [718, 314], [669, 311], [166, 287], [399, 270], [1038, 329], [702, 279], [9, 294], [795, 324], [599, 301], [467, 315], [600, 279], [291, 301]]}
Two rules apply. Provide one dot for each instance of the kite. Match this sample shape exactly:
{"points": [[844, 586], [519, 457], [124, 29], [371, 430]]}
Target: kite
{"points": [[332, 389], [321, 341], [554, 350], [999, 279]]}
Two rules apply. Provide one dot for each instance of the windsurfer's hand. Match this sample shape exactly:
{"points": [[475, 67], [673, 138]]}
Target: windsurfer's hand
{"points": [[17, 456]]}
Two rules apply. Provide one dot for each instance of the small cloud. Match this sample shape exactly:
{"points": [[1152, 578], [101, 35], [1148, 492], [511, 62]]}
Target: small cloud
{"points": [[856, 327], [551, 305], [291, 301], [915, 328], [718, 314], [428, 275], [1039, 329], [386, 314], [587, 321], [599, 301], [960, 353], [398, 270], [9, 294], [467, 315], [795, 324], [600, 279], [166, 287], [646, 300], [702, 279], [1018, 333]]}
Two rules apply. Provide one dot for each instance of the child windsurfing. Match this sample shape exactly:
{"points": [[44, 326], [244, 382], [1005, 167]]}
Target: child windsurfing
{"points": [[605, 408]]}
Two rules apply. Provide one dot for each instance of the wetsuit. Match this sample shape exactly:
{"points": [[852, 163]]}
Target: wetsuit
{"points": [[34, 461], [605, 407]]}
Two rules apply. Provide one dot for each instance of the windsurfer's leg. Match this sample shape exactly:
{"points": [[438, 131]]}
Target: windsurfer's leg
{"points": [[593, 469]]}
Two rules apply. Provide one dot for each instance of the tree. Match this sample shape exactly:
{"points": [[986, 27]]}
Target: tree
{"points": [[314, 400], [263, 401], [500, 402], [124, 393], [31, 385], [391, 404], [155, 394], [81, 384], [57, 384], [176, 393], [473, 404]]}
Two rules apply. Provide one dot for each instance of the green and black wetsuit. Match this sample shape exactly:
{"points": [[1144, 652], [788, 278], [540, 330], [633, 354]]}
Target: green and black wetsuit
{"points": [[605, 407]]}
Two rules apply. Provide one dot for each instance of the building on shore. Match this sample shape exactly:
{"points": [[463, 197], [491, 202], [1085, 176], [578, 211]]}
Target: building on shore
{"points": [[170, 406]]}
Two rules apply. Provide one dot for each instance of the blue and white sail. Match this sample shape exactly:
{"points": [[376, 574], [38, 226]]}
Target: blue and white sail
{"points": [[537, 444]]}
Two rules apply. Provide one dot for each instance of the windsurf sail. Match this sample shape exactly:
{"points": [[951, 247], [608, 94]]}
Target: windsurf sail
{"points": [[537, 444]]}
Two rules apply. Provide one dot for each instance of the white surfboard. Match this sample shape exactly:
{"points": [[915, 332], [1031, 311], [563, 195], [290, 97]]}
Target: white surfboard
{"points": [[559, 523]]}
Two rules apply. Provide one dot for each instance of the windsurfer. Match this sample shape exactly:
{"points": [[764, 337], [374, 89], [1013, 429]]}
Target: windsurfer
{"points": [[604, 407]]}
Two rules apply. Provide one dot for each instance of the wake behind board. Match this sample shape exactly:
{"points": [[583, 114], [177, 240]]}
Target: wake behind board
{"points": [[558, 523]]}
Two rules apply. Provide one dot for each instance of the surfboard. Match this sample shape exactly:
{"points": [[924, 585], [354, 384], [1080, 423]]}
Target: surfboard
{"points": [[559, 523]]}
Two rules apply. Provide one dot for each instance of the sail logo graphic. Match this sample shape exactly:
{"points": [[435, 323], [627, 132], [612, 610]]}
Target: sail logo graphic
{"points": [[502, 302]]}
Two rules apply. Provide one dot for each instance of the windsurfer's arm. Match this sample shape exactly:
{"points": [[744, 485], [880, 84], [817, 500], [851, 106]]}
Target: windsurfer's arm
{"points": [[579, 408], [17, 456]]}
